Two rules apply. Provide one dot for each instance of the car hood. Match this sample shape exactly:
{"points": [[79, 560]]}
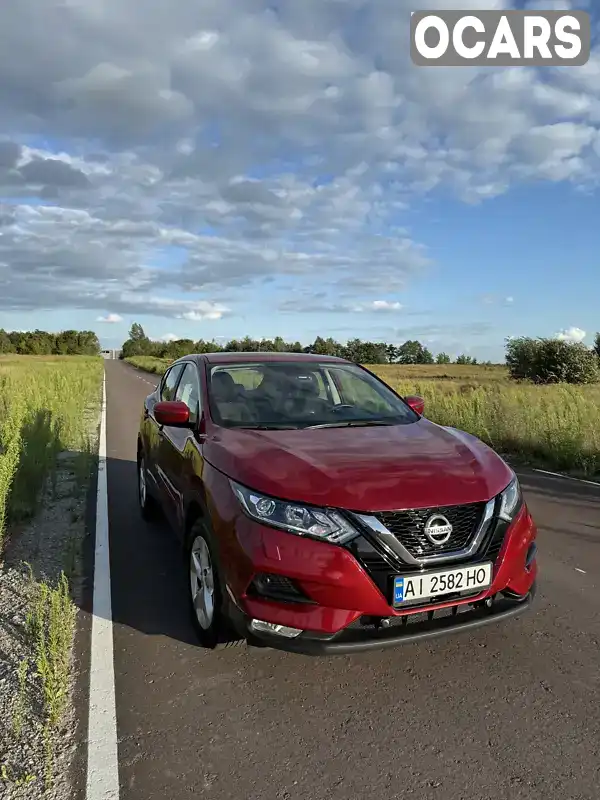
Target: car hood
{"points": [[363, 469]]}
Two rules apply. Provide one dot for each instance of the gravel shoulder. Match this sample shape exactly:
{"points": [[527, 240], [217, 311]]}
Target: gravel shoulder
{"points": [[34, 763]]}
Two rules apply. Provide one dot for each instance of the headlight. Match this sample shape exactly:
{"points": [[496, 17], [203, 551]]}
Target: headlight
{"points": [[299, 519], [510, 501]]}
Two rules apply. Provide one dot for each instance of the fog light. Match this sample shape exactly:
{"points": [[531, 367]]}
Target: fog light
{"points": [[260, 625]]}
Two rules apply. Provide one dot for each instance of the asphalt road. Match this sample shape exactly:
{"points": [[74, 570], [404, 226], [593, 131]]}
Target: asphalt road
{"points": [[509, 711]]}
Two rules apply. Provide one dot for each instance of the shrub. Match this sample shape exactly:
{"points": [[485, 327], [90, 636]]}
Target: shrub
{"points": [[551, 361]]}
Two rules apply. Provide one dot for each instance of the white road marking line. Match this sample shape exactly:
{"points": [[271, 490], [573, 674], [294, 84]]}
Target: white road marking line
{"points": [[567, 477], [547, 472], [102, 757], [583, 572]]}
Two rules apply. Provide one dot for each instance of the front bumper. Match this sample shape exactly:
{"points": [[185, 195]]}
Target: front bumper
{"points": [[343, 591], [353, 639]]}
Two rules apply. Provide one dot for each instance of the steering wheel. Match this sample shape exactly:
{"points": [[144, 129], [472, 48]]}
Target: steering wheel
{"points": [[335, 409]]}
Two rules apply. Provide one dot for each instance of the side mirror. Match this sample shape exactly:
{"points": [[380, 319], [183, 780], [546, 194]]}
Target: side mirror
{"points": [[416, 403], [173, 413]]}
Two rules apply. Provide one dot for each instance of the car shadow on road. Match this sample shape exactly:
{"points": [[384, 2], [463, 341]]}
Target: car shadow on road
{"points": [[148, 575]]}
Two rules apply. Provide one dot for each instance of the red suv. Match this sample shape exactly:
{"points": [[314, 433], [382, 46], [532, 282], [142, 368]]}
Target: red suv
{"points": [[320, 512]]}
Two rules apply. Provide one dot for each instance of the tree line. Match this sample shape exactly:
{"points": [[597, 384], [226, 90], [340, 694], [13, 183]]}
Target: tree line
{"points": [[363, 352], [540, 360], [43, 343]]}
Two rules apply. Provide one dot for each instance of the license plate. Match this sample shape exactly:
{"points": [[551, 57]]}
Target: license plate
{"points": [[408, 588]]}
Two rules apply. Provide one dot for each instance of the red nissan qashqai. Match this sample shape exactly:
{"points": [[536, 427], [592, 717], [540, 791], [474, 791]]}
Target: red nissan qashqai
{"points": [[320, 512]]}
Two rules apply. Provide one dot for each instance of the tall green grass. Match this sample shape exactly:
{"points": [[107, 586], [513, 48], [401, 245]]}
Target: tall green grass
{"points": [[554, 426], [51, 628], [156, 366], [46, 405]]}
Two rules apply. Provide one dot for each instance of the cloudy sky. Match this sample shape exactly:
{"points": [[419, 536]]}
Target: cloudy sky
{"points": [[212, 168]]}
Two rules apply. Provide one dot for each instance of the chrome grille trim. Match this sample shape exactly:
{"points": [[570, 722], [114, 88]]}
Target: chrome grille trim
{"points": [[390, 542]]}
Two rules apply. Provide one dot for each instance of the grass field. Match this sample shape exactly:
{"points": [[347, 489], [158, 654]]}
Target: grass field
{"points": [[550, 426], [45, 407], [48, 414]]}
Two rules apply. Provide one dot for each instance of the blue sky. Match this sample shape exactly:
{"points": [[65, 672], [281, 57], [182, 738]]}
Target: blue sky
{"points": [[289, 172]]}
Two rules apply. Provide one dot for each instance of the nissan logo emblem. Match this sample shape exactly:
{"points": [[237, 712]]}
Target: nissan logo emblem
{"points": [[438, 529]]}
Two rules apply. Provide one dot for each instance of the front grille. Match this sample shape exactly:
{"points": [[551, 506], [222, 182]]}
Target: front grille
{"points": [[408, 526]]}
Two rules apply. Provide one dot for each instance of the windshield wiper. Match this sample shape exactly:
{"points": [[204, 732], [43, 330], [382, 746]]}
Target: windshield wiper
{"points": [[268, 427], [360, 423]]}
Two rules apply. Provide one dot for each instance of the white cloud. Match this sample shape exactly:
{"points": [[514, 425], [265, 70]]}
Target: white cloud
{"points": [[572, 334], [384, 305], [168, 337], [374, 306], [110, 318]]}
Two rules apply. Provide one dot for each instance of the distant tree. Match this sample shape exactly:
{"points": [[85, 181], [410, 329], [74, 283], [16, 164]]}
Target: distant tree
{"points": [[138, 343], [88, 343], [180, 348], [391, 352], [427, 357], [279, 346], [136, 332], [248, 345], [364, 352], [6, 345], [412, 352], [465, 359], [442, 358], [597, 345], [67, 343], [266, 346], [207, 347], [326, 347], [37, 343], [546, 361]]}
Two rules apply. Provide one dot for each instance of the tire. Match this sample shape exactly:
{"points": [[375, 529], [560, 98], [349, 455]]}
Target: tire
{"points": [[206, 601], [146, 502]]}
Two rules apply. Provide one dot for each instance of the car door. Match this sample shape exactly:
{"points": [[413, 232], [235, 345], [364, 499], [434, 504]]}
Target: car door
{"points": [[181, 450], [166, 391]]}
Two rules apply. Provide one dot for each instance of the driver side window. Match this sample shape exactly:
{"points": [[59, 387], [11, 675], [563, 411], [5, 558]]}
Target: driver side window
{"points": [[167, 389], [358, 392], [188, 391]]}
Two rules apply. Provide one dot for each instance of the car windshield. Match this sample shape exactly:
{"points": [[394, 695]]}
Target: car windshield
{"points": [[280, 395]]}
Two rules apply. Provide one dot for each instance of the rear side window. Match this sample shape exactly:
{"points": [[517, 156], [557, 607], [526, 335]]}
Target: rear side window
{"points": [[167, 389], [188, 391]]}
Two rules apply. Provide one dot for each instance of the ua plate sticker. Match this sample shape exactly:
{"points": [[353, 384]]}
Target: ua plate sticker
{"points": [[398, 590]]}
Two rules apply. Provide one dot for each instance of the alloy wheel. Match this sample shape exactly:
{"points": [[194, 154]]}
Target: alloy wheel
{"points": [[202, 582]]}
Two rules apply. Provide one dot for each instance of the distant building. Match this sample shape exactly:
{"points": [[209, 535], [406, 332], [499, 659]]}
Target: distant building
{"points": [[115, 353]]}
